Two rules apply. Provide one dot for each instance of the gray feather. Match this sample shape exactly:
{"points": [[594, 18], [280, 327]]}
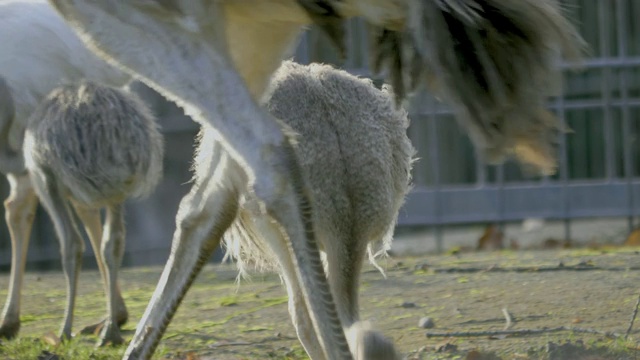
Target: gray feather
{"points": [[102, 143], [496, 62], [355, 154]]}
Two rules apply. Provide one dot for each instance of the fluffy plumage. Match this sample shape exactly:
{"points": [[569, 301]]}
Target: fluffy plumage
{"points": [[355, 155], [494, 61], [102, 144], [87, 147], [353, 147]]}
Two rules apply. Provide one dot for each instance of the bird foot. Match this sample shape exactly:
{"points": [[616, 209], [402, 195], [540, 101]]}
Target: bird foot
{"points": [[9, 329], [110, 335]]}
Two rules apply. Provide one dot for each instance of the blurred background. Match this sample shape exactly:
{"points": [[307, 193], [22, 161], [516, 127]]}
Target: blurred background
{"points": [[457, 202]]}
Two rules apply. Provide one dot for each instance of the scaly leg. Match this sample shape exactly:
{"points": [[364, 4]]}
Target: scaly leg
{"points": [[71, 245], [20, 208], [93, 226], [204, 215], [345, 256], [297, 306], [111, 255]]}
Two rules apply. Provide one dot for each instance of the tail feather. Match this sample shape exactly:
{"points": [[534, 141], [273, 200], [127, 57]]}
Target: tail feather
{"points": [[496, 62]]}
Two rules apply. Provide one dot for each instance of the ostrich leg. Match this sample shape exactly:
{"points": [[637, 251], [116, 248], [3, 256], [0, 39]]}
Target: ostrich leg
{"points": [[90, 218], [205, 214], [111, 253], [71, 245], [20, 209]]}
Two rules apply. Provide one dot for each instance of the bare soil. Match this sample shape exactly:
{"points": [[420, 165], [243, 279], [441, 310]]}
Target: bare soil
{"points": [[591, 289]]}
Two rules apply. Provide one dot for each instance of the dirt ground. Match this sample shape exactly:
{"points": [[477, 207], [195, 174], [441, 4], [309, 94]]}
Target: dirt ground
{"points": [[590, 289]]}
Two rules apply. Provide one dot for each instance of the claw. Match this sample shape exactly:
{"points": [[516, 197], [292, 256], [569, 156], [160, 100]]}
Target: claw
{"points": [[95, 329], [110, 335]]}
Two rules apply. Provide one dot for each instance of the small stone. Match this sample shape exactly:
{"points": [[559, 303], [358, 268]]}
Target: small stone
{"points": [[426, 323], [408, 305]]}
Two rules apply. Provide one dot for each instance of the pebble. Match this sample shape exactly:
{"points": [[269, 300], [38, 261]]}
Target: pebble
{"points": [[408, 305], [426, 323]]}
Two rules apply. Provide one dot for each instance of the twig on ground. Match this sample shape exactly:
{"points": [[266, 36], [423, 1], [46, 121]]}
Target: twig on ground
{"points": [[522, 332], [579, 267], [499, 320], [230, 343], [508, 318], [245, 343], [633, 318]]}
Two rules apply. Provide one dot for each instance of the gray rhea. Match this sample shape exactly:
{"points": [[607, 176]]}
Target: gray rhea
{"points": [[40, 51], [355, 155], [87, 147]]}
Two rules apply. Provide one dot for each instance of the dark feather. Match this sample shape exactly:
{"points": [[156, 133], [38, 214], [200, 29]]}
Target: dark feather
{"points": [[393, 53], [495, 61], [324, 15]]}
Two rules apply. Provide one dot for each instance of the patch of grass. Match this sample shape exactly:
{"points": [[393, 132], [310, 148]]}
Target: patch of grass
{"points": [[27, 318], [28, 348], [229, 301]]}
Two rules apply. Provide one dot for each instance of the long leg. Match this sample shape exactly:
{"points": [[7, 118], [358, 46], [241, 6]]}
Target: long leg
{"points": [[346, 252], [344, 263], [191, 65], [111, 254], [204, 215], [93, 226], [20, 209], [71, 245], [297, 306]]}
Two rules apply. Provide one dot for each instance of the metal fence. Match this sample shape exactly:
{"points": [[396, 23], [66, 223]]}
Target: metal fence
{"points": [[597, 176]]}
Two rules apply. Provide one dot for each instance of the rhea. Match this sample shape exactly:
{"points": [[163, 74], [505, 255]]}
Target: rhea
{"points": [[87, 147], [493, 60], [39, 52]]}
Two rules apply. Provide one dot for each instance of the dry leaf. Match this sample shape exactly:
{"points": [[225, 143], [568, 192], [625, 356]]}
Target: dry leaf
{"points": [[51, 339]]}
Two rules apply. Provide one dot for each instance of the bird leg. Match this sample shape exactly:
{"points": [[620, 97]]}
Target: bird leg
{"points": [[92, 222], [111, 253], [20, 209]]}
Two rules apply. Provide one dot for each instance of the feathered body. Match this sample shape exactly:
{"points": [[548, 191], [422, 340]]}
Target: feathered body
{"points": [[89, 146], [102, 144], [355, 155], [39, 52], [496, 62], [352, 144]]}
